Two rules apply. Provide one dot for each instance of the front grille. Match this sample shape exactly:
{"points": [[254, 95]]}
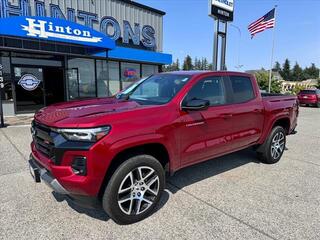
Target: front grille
{"points": [[43, 140]]}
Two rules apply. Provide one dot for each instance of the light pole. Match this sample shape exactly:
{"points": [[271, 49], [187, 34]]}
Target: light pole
{"points": [[240, 37]]}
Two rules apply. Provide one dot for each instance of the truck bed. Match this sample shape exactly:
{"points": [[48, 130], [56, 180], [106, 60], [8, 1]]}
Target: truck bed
{"points": [[276, 97]]}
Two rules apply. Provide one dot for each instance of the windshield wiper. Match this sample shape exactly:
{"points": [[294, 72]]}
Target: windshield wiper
{"points": [[123, 96]]}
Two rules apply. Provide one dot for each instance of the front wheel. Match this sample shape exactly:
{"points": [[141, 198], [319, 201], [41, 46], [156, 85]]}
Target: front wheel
{"points": [[271, 151], [134, 189]]}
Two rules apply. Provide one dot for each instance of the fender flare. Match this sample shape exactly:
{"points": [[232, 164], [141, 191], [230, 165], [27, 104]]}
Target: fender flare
{"points": [[270, 126]]}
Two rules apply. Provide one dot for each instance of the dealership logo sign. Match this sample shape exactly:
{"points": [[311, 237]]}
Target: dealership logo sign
{"points": [[56, 30], [45, 29], [221, 9], [224, 4], [29, 82]]}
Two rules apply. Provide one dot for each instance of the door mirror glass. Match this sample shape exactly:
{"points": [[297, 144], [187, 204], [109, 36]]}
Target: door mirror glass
{"points": [[196, 105]]}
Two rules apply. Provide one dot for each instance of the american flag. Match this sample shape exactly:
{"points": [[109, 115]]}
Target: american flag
{"points": [[263, 23]]}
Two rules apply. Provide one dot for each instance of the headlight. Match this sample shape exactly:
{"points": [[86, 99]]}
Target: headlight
{"points": [[85, 135]]}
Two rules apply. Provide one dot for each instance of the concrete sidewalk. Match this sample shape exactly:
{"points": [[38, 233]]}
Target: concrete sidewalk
{"points": [[19, 120], [233, 197]]}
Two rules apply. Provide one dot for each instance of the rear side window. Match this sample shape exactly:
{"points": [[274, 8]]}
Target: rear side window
{"points": [[242, 89], [308, 92], [211, 89]]}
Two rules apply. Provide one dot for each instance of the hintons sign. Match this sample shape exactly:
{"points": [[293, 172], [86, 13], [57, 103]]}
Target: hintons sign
{"points": [[130, 33], [221, 9]]}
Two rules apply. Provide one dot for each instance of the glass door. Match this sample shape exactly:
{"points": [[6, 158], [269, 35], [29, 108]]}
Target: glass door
{"points": [[29, 89]]}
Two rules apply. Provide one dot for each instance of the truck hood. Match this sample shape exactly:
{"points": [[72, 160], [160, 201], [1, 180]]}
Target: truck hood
{"points": [[88, 109]]}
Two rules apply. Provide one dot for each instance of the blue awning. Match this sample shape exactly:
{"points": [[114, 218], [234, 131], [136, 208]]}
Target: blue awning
{"points": [[55, 29], [137, 55]]}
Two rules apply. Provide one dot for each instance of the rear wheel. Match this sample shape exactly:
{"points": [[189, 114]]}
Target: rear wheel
{"points": [[271, 151], [134, 189], [318, 105]]}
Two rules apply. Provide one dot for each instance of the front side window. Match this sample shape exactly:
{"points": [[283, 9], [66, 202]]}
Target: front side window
{"points": [[155, 90], [210, 89], [242, 89]]}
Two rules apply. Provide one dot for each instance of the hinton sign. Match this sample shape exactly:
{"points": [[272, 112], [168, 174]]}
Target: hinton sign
{"points": [[45, 29], [137, 35]]}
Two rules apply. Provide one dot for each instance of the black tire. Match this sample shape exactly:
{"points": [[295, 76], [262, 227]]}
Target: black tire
{"points": [[318, 105], [122, 178], [266, 152]]}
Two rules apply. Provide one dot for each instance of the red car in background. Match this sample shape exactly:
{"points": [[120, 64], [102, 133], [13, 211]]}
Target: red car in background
{"points": [[309, 97]]}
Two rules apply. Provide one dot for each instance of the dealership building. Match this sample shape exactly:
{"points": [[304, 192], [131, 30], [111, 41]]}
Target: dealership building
{"points": [[61, 50]]}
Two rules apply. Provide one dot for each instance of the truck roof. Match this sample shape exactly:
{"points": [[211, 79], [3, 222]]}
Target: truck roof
{"points": [[200, 72]]}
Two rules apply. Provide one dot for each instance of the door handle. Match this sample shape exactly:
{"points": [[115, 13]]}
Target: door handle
{"points": [[226, 115], [195, 124]]}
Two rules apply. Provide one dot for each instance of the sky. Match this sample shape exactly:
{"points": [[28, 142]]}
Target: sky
{"points": [[189, 30]]}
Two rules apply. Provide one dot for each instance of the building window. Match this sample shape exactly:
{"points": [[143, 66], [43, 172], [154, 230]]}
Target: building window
{"points": [[5, 74], [148, 70], [102, 78], [81, 78], [114, 78], [130, 72]]}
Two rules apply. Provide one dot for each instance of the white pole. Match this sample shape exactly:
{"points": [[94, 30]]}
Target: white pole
{"points": [[272, 53]]}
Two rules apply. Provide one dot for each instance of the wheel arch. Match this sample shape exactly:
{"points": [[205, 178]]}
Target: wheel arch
{"points": [[282, 122], [155, 149]]}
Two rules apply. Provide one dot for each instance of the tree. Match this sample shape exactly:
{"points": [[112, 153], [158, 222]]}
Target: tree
{"points": [[204, 64], [296, 89], [197, 64], [311, 72], [277, 67], [175, 66], [263, 81], [187, 64], [297, 73], [286, 70]]}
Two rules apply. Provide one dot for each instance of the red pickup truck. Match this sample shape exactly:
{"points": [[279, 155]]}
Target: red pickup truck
{"points": [[116, 151]]}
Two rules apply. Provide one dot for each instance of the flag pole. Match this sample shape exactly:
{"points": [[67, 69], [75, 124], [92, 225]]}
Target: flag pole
{"points": [[273, 44]]}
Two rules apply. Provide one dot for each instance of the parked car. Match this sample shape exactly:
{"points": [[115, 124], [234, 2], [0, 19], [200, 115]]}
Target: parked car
{"points": [[115, 152], [309, 97]]}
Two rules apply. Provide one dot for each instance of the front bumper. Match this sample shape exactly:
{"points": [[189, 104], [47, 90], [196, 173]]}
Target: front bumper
{"points": [[39, 173]]}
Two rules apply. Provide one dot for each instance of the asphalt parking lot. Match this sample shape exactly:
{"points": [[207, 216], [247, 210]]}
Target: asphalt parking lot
{"points": [[233, 197]]}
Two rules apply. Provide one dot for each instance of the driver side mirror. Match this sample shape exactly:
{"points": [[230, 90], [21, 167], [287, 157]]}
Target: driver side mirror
{"points": [[196, 105]]}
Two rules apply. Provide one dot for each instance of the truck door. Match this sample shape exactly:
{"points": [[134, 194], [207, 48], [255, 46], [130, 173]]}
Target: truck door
{"points": [[206, 133], [248, 114]]}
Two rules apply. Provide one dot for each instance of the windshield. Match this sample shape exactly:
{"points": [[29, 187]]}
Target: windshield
{"points": [[156, 90]]}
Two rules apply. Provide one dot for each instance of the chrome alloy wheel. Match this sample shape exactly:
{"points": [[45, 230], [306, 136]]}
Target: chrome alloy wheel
{"points": [[138, 190], [277, 145]]}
